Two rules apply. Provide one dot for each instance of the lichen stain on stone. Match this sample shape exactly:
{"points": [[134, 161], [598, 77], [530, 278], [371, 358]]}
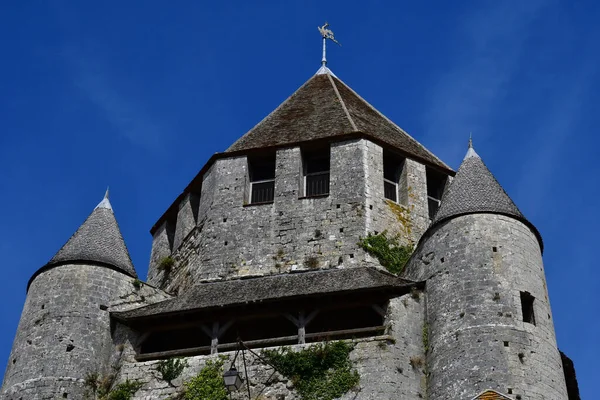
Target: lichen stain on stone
{"points": [[402, 215]]}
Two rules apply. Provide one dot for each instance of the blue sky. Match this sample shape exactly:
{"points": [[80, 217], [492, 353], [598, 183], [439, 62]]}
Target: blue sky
{"points": [[138, 95]]}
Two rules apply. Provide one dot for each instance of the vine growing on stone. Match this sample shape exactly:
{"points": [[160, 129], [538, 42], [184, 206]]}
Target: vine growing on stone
{"points": [[388, 251], [208, 384], [170, 369], [320, 372], [123, 391]]}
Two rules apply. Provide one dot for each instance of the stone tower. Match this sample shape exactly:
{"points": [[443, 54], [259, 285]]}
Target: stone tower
{"points": [[488, 315], [64, 332]]}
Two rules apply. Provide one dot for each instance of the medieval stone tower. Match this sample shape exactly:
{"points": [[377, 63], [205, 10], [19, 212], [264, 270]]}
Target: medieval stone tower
{"points": [[278, 242]]}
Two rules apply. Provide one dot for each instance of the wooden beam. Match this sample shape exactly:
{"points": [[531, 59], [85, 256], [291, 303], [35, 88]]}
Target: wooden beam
{"points": [[192, 351], [346, 332]]}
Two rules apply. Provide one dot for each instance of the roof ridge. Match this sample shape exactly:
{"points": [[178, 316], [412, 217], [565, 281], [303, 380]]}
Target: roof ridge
{"points": [[342, 103], [270, 114], [391, 122]]}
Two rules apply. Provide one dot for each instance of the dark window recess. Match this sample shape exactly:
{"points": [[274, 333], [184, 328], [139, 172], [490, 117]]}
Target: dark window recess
{"points": [[390, 190], [316, 172], [392, 169], [262, 178], [327, 322], [269, 329], [436, 182], [527, 307], [260, 327], [175, 339]]}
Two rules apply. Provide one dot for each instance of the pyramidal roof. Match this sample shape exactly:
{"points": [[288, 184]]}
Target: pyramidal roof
{"points": [[98, 240], [325, 107], [475, 190]]}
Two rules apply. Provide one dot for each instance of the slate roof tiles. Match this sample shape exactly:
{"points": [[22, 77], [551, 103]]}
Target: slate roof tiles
{"points": [[475, 190], [273, 287], [325, 107], [97, 240]]}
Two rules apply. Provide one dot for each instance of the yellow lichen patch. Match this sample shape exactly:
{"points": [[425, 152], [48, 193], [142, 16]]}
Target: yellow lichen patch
{"points": [[402, 214]]}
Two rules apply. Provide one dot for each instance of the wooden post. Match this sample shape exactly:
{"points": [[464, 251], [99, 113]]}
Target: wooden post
{"points": [[214, 339], [215, 333], [301, 323]]}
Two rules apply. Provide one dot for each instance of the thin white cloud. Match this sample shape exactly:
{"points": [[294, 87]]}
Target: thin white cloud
{"points": [[560, 123], [488, 53], [120, 110]]}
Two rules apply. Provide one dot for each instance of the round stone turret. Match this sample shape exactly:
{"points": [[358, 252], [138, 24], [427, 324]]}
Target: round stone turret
{"points": [[64, 331], [488, 324]]}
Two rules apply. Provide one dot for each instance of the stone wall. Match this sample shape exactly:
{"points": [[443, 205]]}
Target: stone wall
{"points": [[476, 266], [64, 332], [408, 217], [386, 364], [233, 238]]}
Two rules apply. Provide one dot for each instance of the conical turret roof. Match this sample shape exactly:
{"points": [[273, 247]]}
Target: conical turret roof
{"points": [[98, 240], [325, 107], [475, 190]]}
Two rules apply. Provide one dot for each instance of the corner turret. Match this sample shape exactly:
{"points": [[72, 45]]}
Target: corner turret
{"points": [[97, 241], [475, 190], [487, 302], [64, 331]]}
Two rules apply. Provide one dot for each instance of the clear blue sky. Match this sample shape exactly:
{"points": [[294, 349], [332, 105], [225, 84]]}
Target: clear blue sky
{"points": [[138, 95]]}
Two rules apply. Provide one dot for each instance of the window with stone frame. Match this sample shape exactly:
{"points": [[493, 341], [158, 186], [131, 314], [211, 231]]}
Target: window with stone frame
{"points": [[436, 182], [315, 166], [393, 165], [527, 301], [261, 173]]}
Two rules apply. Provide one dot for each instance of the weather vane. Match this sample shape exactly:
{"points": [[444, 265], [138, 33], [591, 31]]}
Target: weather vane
{"points": [[326, 34]]}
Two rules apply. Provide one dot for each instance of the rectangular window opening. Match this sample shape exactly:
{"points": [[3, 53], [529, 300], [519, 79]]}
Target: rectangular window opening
{"points": [[261, 171], [527, 307], [392, 172], [436, 182], [316, 172]]}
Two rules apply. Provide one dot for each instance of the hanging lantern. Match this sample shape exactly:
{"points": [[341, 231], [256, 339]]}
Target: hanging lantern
{"points": [[233, 379]]}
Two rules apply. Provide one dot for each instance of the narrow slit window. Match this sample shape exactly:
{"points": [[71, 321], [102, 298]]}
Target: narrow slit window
{"points": [[436, 182], [316, 172], [262, 178], [527, 301], [392, 170]]}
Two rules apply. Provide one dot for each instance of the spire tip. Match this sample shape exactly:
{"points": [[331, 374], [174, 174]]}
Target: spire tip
{"points": [[471, 151], [105, 203]]}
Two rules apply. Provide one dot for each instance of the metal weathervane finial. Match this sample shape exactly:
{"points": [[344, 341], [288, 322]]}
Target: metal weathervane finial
{"points": [[471, 140], [326, 34]]}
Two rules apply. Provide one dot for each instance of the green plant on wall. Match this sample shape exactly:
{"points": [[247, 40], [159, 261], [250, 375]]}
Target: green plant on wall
{"points": [[320, 372], [170, 369], [123, 391], [312, 262], [388, 251], [426, 337], [208, 384], [166, 264]]}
